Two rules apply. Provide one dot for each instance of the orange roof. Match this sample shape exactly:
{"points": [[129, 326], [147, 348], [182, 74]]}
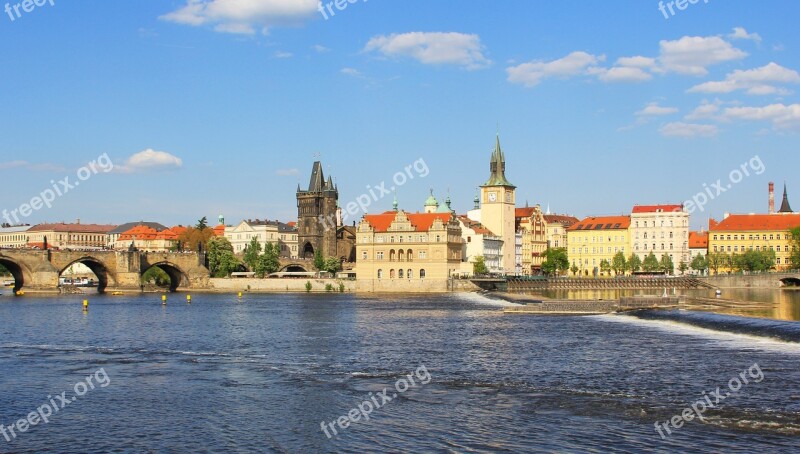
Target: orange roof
{"points": [[523, 212], [562, 219], [171, 234], [421, 222], [219, 230], [698, 240], [140, 232], [602, 223], [291, 224], [768, 222], [479, 228], [656, 208]]}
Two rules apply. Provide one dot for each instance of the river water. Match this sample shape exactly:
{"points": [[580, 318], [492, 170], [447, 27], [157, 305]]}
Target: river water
{"points": [[264, 373]]}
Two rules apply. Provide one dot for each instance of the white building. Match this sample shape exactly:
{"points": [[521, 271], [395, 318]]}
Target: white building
{"points": [[479, 241], [284, 235], [14, 237], [660, 229]]}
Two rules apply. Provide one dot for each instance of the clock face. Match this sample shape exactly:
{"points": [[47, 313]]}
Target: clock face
{"points": [[493, 197]]}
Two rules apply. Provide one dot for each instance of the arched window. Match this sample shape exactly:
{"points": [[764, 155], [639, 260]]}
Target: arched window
{"points": [[400, 273], [391, 274], [401, 256], [391, 255], [410, 274], [409, 255], [380, 274], [422, 274]]}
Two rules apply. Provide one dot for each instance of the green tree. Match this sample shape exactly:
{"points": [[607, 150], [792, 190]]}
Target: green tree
{"points": [[683, 267], [332, 265], [251, 253], [699, 263], [716, 260], [605, 266], [319, 261], [4, 271], [574, 269], [756, 261], [794, 258], [479, 267], [618, 263], [634, 263], [650, 263], [666, 264], [221, 259], [555, 261], [202, 223], [156, 276], [268, 262]]}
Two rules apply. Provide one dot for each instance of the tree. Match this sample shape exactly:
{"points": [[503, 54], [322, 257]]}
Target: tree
{"points": [[156, 276], [650, 263], [683, 266], [202, 224], [332, 265], [251, 253], [794, 259], [268, 262], [574, 269], [319, 261], [193, 237], [716, 260], [618, 263], [479, 267], [666, 264], [605, 266], [756, 261], [221, 259], [699, 263], [555, 261], [4, 271], [634, 263]]}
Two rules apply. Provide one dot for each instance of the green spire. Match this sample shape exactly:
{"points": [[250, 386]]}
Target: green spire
{"points": [[394, 204], [497, 167], [432, 202]]}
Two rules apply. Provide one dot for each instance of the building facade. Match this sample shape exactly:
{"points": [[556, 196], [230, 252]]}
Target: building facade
{"points": [[595, 239], [738, 233], [318, 216], [15, 237], [272, 232], [698, 245], [479, 241], [70, 236], [146, 238], [497, 212], [662, 230], [531, 223], [557, 225], [404, 252]]}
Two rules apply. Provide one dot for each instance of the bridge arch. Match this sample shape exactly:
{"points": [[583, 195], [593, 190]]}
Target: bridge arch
{"points": [[790, 282], [293, 268], [177, 276], [19, 272], [98, 268]]}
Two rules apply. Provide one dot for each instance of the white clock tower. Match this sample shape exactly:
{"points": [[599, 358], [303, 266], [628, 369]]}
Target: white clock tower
{"points": [[498, 198]]}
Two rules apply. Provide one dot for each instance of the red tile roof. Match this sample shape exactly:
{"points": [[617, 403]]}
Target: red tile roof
{"points": [[523, 212], [698, 240], [479, 228], [769, 222], [656, 208], [564, 220], [140, 232], [602, 223], [421, 222], [219, 230], [73, 228]]}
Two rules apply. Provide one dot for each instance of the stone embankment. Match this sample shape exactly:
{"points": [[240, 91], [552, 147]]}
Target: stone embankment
{"points": [[530, 305]]}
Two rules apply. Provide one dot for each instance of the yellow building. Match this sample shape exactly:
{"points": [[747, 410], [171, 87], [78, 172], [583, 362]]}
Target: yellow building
{"points": [[557, 225], [407, 252], [595, 239], [738, 233], [70, 236], [530, 221]]}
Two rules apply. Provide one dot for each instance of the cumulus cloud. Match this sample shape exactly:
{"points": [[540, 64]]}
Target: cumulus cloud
{"points": [[757, 81], [241, 16], [532, 73], [704, 110], [627, 69], [432, 48], [692, 55], [782, 117], [351, 72], [741, 33], [654, 110], [687, 130], [148, 160]]}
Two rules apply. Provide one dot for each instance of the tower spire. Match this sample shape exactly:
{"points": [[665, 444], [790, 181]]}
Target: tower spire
{"points": [[497, 167], [785, 208]]}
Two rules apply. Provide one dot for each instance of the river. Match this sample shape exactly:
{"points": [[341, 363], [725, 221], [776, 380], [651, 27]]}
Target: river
{"points": [[274, 373]]}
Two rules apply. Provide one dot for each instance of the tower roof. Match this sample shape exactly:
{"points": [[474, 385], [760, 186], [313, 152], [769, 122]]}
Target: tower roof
{"points": [[497, 167], [431, 201], [785, 208], [317, 182]]}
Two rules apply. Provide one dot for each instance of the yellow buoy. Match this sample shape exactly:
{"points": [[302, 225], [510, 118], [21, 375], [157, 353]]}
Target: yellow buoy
{"points": [[163, 299], [86, 305], [240, 295], [189, 299]]}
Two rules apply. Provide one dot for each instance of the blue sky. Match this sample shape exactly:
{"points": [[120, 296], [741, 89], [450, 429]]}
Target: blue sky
{"points": [[212, 107]]}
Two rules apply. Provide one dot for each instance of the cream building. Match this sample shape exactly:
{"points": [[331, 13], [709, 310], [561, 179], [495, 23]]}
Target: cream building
{"points": [[497, 212], [595, 239], [14, 237], [284, 235], [479, 241], [407, 252], [70, 236], [661, 229], [557, 225], [530, 222]]}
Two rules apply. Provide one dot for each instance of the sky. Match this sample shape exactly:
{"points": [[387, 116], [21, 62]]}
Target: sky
{"points": [[172, 110]]}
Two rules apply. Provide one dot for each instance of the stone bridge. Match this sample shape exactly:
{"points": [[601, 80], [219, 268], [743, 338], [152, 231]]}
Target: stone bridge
{"points": [[40, 270]]}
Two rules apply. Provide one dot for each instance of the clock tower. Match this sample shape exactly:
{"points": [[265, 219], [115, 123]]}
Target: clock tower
{"points": [[498, 197]]}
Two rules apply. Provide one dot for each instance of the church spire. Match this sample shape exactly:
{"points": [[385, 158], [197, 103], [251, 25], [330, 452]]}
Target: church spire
{"points": [[785, 208], [497, 167]]}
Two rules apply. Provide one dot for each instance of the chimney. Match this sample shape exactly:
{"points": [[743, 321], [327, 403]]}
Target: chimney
{"points": [[771, 198]]}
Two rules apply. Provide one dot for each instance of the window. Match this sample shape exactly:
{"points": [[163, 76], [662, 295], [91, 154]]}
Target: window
{"points": [[422, 274], [422, 255], [410, 274], [410, 255], [379, 255], [380, 274], [364, 255], [400, 274], [391, 274]]}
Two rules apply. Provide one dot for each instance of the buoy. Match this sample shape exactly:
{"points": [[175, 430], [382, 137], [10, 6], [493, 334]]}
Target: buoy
{"points": [[240, 295], [85, 305], [189, 299], [163, 299]]}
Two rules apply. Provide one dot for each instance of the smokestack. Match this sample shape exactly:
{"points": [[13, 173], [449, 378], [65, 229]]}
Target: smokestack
{"points": [[771, 198]]}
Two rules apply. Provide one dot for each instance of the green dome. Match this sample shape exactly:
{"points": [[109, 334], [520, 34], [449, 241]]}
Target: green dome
{"points": [[431, 202]]}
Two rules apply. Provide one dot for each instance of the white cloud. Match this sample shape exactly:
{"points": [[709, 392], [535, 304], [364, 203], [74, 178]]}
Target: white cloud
{"points": [[636, 62], [282, 54], [691, 55], [688, 130], [741, 33], [653, 110], [532, 73], [623, 74], [704, 110], [241, 16], [320, 49], [758, 81], [351, 72], [782, 116], [149, 159], [287, 172], [433, 48]]}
